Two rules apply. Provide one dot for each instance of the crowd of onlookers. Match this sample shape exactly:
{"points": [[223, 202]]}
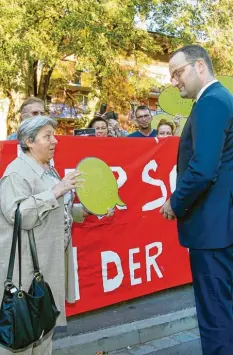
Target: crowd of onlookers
{"points": [[106, 124]]}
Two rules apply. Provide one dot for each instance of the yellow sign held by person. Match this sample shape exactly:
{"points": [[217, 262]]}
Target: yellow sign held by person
{"points": [[226, 81], [173, 104], [99, 191]]}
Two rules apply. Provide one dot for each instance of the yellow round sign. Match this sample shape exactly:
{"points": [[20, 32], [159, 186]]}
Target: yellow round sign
{"points": [[226, 81], [172, 103], [99, 191]]}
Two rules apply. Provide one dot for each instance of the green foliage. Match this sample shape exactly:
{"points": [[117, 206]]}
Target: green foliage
{"points": [[37, 35], [206, 22], [39, 32]]}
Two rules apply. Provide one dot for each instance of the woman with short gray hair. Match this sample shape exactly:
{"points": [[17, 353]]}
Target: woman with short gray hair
{"points": [[30, 181], [29, 129]]}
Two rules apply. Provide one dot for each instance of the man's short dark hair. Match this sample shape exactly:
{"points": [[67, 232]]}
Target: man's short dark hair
{"points": [[194, 52], [97, 119], [142, 107], [31, 100]]}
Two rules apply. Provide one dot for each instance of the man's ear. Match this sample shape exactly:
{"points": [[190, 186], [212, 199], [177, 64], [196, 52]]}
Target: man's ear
{"points": [[201, 65]]}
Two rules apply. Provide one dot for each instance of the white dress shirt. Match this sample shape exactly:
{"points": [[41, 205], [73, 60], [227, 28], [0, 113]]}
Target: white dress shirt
{"points": [[204, 88]]}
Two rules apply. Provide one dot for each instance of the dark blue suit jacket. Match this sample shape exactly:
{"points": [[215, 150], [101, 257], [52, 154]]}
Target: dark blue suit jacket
{"points": [[203, 197]]}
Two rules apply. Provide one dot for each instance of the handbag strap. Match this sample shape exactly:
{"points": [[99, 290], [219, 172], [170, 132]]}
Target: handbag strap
{"points": [[20, 250], [16, 231], [33, 250], [17, 237]]}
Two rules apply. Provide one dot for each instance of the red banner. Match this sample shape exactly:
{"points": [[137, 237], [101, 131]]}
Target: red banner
{"points": [[135, 252]]}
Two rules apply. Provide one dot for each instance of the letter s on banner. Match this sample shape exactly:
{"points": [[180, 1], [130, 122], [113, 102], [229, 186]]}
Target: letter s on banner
{"points": [[152, 165], [106, 258]]}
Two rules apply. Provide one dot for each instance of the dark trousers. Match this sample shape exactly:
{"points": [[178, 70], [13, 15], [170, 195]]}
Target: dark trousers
{"points": [[212, 272]]}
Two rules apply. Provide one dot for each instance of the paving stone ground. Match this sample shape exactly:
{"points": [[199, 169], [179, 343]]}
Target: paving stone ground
{"points": [[183, 343]]}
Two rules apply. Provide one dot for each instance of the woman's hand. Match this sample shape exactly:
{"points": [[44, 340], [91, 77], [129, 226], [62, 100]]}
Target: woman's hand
{"points": [[111, 212], [69, 182], [176, 120]]}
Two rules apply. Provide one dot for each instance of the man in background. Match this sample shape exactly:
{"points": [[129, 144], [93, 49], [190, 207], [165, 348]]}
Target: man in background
{"points": [[33, 106], [143, 119]]}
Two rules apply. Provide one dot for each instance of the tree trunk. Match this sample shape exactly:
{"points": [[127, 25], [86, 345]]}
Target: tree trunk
{"points": [[13, 118], [44, 81], [4, 109], [35, 81]]}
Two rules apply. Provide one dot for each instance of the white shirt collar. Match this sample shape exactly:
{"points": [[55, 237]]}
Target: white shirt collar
{"points": [[204, 88]]}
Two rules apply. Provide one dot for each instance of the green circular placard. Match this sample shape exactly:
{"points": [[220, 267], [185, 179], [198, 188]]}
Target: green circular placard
{"points": [[157, 118], [171, 102], [99, 190], [226, 81], [165, 116]]}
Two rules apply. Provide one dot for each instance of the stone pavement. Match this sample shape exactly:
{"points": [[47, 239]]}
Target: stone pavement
{"points": [[156, 304], [132, 323], [183, 343]]}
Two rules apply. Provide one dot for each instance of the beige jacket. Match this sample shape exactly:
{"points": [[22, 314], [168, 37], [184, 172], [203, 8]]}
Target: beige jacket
{"points": [[70, 263], [24, 181]]}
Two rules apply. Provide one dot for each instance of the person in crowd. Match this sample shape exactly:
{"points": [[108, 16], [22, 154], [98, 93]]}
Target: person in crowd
{"points": [[114, 129], [32, 106], [46, 204], [203, 199], [143, 119], [113, 126], [100, 125], [166, 128]]}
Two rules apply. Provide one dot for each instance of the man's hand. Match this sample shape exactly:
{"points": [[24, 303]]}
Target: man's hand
{"points": [[167, 212]]}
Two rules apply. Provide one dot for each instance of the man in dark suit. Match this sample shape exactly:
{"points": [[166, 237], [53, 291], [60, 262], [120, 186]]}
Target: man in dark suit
{"points": [[203, 199]]}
